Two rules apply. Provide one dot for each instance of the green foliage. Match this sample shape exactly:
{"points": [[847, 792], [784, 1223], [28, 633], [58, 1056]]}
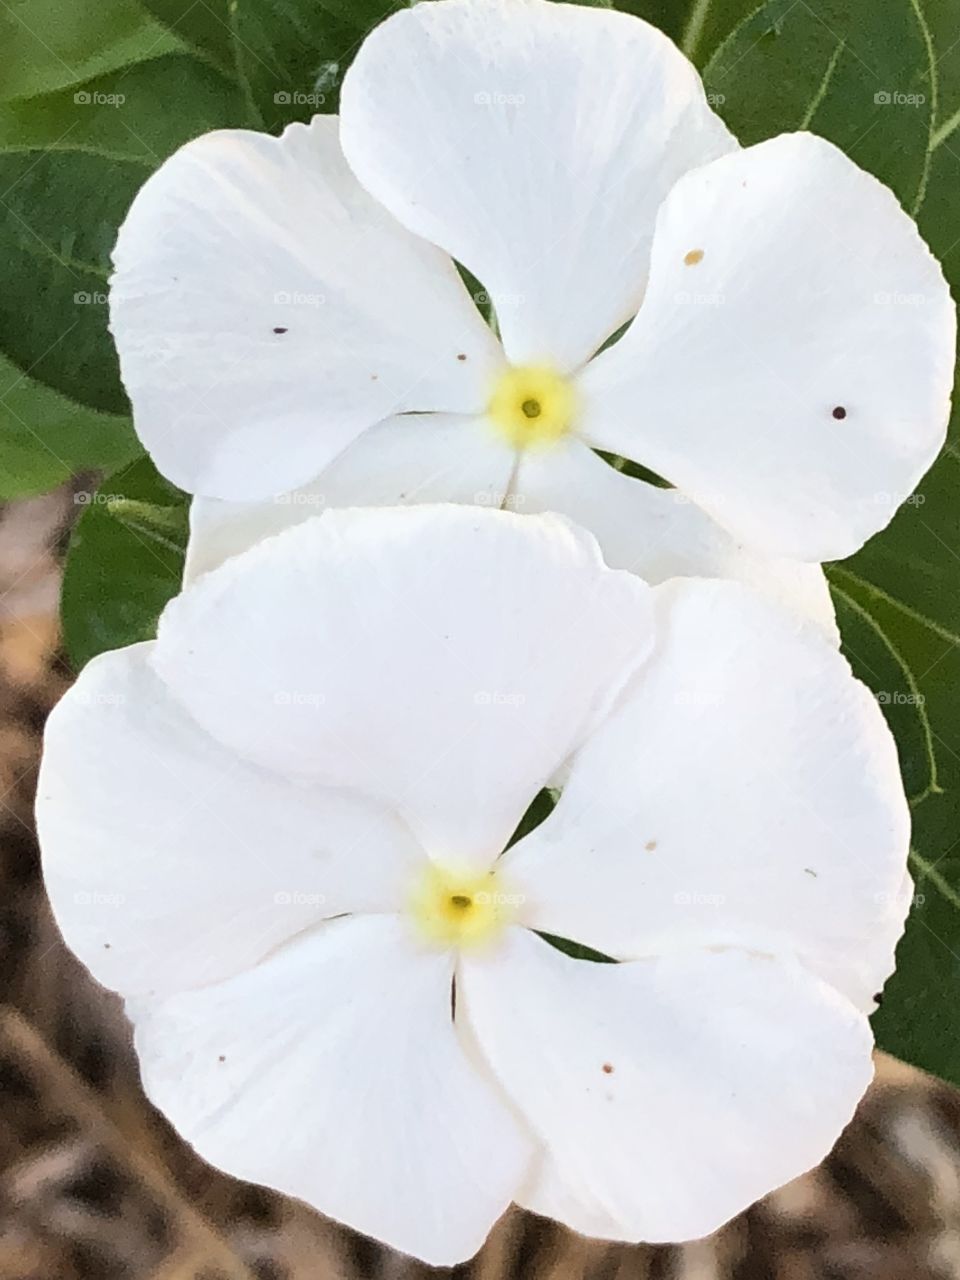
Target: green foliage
{"points": [[854, 71], [46, 438], [50, 44], [70, 164], [125, 561]]}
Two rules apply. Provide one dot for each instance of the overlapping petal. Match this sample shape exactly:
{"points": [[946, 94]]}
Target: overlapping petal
{"points": [[410, 458], [266, 311], [791, 367], [170, 862], [747, 793], [442, 659], [534, 142], [671, 1092], [658, 533], [333, 1072]]}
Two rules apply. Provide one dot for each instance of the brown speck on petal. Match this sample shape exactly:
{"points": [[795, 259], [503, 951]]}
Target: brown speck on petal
{"points": [[693, 257], [839, 412], [650, 846], [222, 1058], [461, 356], [278, 329], [608, 1068]]}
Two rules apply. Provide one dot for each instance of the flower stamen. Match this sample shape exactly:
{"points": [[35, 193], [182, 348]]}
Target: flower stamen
{"points": [[452, 907], [532, 405]]}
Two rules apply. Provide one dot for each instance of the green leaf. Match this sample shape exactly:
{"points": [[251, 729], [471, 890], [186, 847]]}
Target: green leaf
{"points": [[127, 114], [70, 164], [45, 438], [288, 56], [124, 562], [697, 26], [854, 71], [59, 221], [943, 21], [50, 44]]}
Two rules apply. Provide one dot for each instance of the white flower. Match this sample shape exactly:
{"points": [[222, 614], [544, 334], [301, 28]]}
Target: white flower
{"points": [[278, 831], [288, 314]]}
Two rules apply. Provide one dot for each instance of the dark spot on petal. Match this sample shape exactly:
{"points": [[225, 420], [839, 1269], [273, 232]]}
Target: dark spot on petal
{"points": [[608, 1068], [461, 356], [279, 330], [222, 1058], [839, 412], [810, 872]]}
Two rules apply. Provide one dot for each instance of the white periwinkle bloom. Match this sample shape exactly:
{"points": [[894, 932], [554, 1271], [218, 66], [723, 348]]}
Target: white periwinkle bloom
{"points": [[279, 832], [289, 318]]}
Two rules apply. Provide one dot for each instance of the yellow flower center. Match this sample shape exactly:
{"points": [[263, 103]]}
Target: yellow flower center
{"points": [[460, 908], [532, 406]]}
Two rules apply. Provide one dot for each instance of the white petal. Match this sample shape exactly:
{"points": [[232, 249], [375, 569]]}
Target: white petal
{"points": [[659, 533], [266, 311], [795, 381], [171, 863], [444, 659], [747, 792], [670, 1093], [412, 458], [547, 1193], [480, 125], [332, 1072]]}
